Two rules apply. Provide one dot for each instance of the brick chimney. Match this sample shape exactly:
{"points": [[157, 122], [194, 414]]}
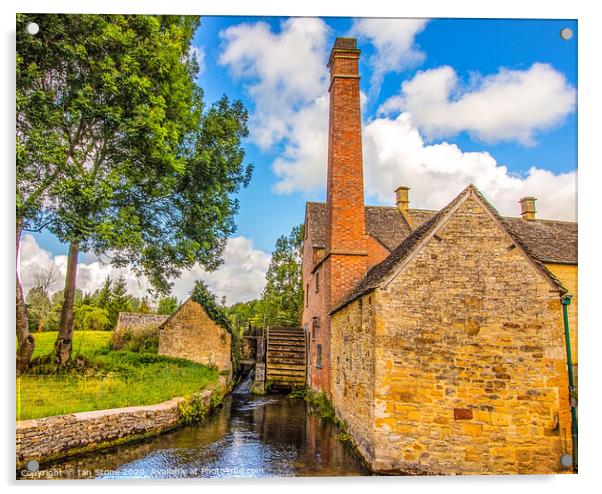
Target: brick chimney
{"points": [[402, 200], [346, 250], [527, 208]]}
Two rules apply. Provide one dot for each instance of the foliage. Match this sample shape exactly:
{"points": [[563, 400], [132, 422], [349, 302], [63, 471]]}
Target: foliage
{"points": [[109, 379], [144, 341], [146, 170], [283, 293], [90, 318], [133, 164], [104, 297], [281, 303], [120, 300], [319, 403], [38, 308], [167, 305], [203, 296]]}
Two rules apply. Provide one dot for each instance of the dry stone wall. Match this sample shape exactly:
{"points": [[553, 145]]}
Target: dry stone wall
{"points": [[63, 435]]}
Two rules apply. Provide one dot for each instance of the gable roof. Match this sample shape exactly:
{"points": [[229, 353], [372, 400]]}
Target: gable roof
{"points": [[548, 241], [379, 272], [177, 311], [385, 223]]}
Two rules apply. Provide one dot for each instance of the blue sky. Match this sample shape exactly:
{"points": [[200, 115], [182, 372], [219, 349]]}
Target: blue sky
{"points": [[487, 101]]}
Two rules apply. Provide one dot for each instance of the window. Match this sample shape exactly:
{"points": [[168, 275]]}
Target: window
{"points": [[319, 356], [315, 323], [307, 295], [318, 280]]}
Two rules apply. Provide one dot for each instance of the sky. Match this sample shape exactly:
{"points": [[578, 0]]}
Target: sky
{"points": [[445, 103]]}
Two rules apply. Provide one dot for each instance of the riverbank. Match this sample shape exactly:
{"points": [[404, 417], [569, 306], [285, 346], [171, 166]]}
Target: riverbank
{"points": [[249, 436], [50, 438], [101, 378]]}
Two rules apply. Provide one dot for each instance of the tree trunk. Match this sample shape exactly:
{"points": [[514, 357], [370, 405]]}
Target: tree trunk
{"points": [[64, 339], [26, 343]]}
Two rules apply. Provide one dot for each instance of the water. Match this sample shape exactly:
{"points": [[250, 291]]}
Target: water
{"points": [[251, 436]]}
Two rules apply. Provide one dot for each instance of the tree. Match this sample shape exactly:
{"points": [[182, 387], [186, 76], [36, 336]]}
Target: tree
{"points": [[88, 317], [41, 157], [38, 299], [167, 305], [144, 307], [283, 293], [146, 171], [120, 301], [281, 302], [38, 308], [105, 294]]}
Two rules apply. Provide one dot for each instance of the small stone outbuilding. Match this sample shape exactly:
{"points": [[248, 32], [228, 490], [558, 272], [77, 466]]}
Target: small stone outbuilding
{"points": [[191, 334]]}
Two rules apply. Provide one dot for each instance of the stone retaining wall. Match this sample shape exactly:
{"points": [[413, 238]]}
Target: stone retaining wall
{"points": [[49, 438]]}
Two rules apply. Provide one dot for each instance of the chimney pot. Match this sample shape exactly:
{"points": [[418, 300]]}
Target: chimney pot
{"points": [[527, 208], [402, 196]]}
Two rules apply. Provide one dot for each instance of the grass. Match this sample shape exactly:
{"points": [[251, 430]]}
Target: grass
{"points": [[105, 378]]}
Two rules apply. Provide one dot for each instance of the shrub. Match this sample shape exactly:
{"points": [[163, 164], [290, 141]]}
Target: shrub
{"points": [[145, 340]]}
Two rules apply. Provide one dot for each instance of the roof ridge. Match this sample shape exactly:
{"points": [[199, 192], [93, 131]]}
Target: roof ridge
{"points": [[370, 280]]}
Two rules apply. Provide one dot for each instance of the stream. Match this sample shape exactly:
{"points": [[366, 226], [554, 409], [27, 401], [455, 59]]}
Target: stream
{"points": [[250, 436]]}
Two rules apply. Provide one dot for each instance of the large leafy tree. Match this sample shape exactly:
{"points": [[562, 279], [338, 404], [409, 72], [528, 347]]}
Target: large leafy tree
{"points": [[146, 171]]}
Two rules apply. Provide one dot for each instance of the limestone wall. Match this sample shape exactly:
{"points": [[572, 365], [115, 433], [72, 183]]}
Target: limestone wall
{"points": [[352, 385], [63, 435], [139, 322], [471, 376], [470, 372], [567, 274], [191, 334]]}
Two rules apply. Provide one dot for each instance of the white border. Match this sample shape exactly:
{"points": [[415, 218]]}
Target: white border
{"points": [[589, 85]]}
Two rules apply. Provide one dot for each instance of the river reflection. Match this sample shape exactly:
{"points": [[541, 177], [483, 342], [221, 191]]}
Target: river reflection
{"points": [[266, 436]]}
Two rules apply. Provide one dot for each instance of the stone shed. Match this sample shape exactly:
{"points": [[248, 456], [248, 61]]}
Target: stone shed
{"points": [[191, 334]]}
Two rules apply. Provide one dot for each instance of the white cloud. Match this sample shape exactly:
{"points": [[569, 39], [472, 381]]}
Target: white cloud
{"points": [[511, 105], [396, 154], [302, 163], [288, 84], [394, 45], [287, 70], [240, 278], [198, 52]]}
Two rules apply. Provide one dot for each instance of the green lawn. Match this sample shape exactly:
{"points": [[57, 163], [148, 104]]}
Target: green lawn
{"points": [[114, 379]]}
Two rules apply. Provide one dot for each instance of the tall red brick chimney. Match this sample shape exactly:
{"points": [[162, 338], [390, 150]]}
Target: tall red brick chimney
{"points": [[346, 250]]}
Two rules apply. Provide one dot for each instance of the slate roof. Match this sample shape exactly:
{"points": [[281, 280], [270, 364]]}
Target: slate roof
{"points": [[548, 241], [381, 270], [385, 223]]}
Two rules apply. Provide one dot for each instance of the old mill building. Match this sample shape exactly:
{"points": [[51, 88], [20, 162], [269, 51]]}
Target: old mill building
{"points": [[437, 335]]}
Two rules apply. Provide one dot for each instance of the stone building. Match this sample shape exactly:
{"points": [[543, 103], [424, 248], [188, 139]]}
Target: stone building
{"points": [[191, 334], [438, 335]]}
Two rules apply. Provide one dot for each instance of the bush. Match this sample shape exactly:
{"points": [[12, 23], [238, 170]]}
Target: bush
{"points": [[144, 340]]}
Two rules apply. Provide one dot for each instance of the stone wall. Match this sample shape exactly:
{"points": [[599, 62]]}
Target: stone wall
{"points": [[353, 371], [568, 276], [191, 334], [470, 372], [137, 322], [49, 438], [132, 325]]}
